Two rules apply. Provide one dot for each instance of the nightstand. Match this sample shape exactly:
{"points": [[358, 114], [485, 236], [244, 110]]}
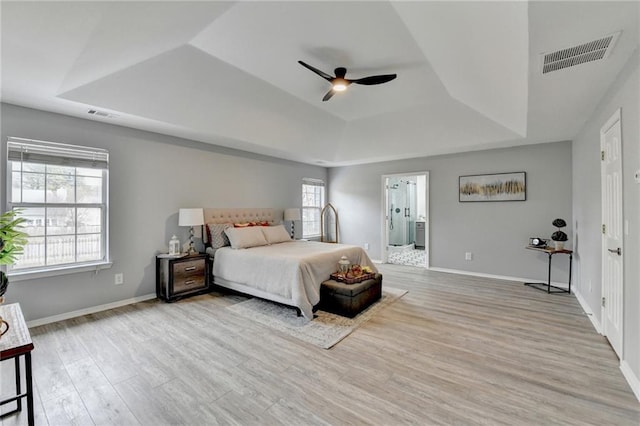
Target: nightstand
{"points": [[181, 277]]}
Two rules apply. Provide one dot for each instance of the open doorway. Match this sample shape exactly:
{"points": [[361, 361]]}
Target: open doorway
{"points": [[405, 211]]}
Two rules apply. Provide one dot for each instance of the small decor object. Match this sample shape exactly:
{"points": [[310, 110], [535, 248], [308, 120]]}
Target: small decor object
{"points": [[343, 265], [174, 246], [355, 274], [493, 187], [292, 215], [537, 242], [191, 217], [559, 237]]}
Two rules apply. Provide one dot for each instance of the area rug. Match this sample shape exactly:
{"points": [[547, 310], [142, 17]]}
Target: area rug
{"points": [[326, 330]]}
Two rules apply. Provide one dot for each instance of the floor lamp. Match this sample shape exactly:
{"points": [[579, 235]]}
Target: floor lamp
{"points": [[292, 215]]}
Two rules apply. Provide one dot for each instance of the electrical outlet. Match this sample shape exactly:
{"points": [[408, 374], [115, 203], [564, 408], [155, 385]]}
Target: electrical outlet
{"points": [[366, 246], [468, 256], [119, 279]]}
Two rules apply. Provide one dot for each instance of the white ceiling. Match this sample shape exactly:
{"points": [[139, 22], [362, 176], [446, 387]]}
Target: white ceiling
{"points": [[226, 73]]}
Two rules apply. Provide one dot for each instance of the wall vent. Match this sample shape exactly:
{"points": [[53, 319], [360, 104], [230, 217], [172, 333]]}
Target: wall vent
{"points": [[101, 113], [571, 56]]}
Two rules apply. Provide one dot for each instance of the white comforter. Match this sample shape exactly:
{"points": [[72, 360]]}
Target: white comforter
{"points": [[291, 271]]}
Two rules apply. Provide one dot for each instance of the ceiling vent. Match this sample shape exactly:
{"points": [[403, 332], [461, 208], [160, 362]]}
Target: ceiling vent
{"points": [[101, 113], [576, 55]]}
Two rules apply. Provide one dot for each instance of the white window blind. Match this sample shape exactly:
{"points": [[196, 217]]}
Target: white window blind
{"points": [[62, 192], [312, 203]]}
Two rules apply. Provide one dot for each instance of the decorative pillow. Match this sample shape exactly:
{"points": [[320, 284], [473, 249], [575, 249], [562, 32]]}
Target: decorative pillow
{"points": [[244, 225], [216, 236], [264, 223], [245, 237], [275, 234]]}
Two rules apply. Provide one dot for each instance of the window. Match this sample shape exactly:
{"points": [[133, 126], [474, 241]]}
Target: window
{"points": [[312, 203], [62, 192]]}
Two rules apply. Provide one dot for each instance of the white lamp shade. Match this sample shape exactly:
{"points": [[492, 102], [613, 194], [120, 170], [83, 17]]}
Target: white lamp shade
{"points": [[292, 214], [190, 217]]}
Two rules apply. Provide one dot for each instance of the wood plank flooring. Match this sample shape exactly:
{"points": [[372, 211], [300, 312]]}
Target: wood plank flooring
{"points": [[455, 350]]}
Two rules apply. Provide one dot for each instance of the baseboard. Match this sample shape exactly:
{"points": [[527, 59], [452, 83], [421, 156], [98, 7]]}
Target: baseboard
{"points": [[497, 277], [587, 310], [91, 310], [632, 379]]}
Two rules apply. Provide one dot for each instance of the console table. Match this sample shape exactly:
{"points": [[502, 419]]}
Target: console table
{"points": [[550, 251], [14, 344]]}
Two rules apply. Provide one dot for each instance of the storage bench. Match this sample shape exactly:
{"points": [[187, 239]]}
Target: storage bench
{"points": [[349, 299]]}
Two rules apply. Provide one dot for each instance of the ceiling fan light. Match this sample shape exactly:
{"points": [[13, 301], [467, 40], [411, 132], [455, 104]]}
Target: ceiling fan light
{"points": [[339, 85]]}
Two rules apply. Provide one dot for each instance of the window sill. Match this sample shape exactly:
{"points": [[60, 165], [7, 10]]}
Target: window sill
{"points": [[63, 270]]}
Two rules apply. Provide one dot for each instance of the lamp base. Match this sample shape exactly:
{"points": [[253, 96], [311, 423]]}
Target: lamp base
{"points": [[192, 249]]}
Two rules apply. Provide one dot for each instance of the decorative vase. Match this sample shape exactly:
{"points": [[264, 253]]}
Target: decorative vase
{"points": [[559, 245]]}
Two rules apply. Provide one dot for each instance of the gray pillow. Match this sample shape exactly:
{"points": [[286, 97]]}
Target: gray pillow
{"points": [[216, 236]]}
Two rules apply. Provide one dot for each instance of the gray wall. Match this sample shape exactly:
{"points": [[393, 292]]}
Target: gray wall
{"points": [[587, 206], [495, 232], [151, 177]]}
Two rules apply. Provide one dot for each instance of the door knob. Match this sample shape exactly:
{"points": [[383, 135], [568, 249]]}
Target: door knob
{"points": [[617, 251]]}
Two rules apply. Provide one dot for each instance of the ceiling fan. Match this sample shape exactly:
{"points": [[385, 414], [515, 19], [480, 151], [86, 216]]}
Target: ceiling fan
{"points": [[340, 84]]}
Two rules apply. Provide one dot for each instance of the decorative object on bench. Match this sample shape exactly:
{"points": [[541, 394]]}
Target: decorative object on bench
{"points": [[352, 274], [349, 299], [329, 224], [559, 237], [326, 329]]}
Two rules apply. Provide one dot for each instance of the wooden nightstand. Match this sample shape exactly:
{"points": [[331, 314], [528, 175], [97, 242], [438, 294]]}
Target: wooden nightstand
{"points": [[181, 277]]}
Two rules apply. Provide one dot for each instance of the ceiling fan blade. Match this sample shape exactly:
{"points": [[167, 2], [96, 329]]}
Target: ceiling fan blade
{"points": [[374, 79], [328, 96], [317, 71]]}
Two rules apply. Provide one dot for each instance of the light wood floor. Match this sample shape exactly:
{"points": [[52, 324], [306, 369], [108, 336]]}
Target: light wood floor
{"points": [[454, 350]]}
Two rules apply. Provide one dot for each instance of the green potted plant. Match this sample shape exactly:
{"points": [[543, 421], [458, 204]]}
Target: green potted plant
{"points": [[559, 237], [12, 241]]}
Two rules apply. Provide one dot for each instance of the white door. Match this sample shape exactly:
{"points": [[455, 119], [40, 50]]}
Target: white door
{"points": [[612, 247]]}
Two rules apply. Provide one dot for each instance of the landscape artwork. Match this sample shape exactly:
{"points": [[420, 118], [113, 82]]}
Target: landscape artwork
{"points": [[493, 187]]}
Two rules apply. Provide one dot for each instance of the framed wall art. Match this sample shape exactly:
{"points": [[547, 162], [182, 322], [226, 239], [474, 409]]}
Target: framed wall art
{"points": [[493, 187]]}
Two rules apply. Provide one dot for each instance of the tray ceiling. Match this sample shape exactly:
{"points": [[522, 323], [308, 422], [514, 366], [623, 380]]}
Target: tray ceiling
{"points": [[226, 73]]}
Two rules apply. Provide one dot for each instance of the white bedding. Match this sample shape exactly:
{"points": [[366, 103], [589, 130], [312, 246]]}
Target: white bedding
{"points": [[288, 272]]}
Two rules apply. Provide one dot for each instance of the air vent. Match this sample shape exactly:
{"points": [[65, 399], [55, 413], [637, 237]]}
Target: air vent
{"points": [[576, 55], [101, 113]]}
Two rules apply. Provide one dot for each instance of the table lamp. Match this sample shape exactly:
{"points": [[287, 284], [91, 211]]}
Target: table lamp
{"points": [[191, 217], [292, 215]]}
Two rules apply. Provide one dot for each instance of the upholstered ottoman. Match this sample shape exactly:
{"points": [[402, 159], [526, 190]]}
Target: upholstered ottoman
{"points": [[349, 299]]}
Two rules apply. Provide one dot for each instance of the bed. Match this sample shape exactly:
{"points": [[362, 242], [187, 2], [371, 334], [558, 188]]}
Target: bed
{"points": [[280, 270]]}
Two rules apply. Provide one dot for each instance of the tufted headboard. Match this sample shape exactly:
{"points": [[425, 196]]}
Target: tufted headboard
{"points": [[242, 215], [239, 215]]}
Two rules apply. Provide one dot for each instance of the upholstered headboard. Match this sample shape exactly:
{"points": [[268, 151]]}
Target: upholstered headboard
{"points": [[242, 215]]}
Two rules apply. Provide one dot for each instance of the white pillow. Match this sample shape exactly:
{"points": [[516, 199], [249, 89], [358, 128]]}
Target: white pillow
{"points": [[275, 234], [245, 237]]}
